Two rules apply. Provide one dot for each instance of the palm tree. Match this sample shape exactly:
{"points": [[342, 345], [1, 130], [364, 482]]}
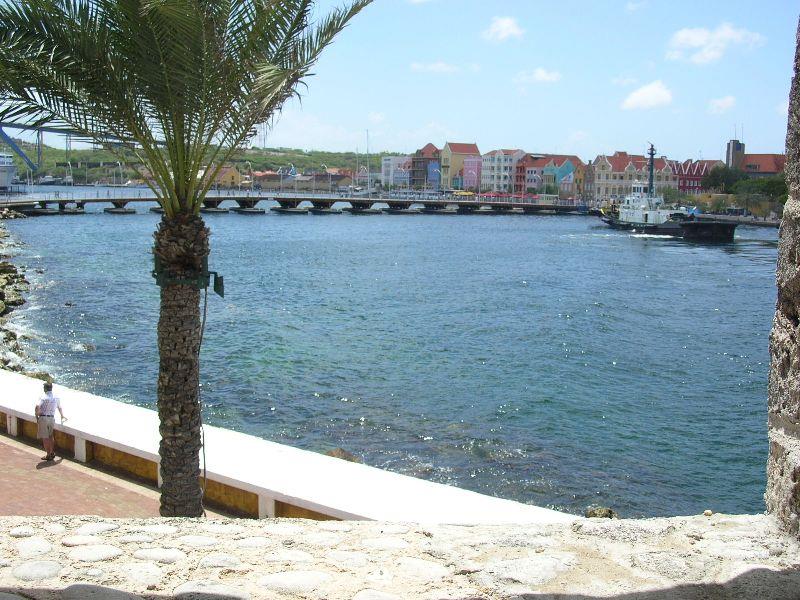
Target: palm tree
{"points": [[181, 84]]}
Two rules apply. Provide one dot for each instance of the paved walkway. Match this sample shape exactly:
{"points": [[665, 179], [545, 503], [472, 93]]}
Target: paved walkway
{"points": [[32, 487]]}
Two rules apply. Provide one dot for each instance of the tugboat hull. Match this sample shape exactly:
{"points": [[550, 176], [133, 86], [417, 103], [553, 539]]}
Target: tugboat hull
{"points": [[699, 231], [708, 231]]}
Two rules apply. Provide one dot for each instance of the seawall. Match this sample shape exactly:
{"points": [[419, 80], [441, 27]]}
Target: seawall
{"points": [[252, 477]]}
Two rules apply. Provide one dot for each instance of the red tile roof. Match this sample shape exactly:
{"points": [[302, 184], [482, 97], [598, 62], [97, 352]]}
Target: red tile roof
{"points": [[457, 148], [559, 159], [694, 168], [531, 162], [620, 161], [763, 163], [429, 151]]}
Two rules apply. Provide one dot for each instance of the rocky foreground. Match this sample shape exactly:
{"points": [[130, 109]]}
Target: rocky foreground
{"points": [[712, 557], [12, 287]]}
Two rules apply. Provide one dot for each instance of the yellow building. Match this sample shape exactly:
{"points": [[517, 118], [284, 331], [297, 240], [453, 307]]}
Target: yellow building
{"points": [[228, 177], [452, 161], [580, 178]]}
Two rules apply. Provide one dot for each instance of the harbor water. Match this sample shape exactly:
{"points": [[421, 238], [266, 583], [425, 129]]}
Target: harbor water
{"points": [[546, 359]]}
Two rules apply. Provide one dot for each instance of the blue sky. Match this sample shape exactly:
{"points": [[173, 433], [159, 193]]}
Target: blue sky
{"points": [[578, 76], [569, 76]]}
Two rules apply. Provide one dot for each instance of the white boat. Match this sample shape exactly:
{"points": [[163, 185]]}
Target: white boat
{"points": [[50, 180], [642, 211], [8, 172], [645, 213]]}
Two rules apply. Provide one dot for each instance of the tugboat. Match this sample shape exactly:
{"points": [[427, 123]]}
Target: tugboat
{"points": [[643, 212]]}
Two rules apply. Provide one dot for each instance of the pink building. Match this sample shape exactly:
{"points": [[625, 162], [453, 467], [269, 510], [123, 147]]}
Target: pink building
{"points": [[472, 173]]}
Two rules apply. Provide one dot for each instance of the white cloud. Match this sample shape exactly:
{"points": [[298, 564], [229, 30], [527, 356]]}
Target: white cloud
{"points": [[652, 95], [538, 75], [783, 108], [624, 81], [702, 46], [434, 67], [503, 28], [376, 117], [634, 6], [717, 106]]}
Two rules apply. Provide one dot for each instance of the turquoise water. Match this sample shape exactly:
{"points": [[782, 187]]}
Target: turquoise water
{"points": [[541, 358]]}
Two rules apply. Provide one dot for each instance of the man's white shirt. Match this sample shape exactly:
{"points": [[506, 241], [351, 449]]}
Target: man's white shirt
{"points": [[48, 404]]}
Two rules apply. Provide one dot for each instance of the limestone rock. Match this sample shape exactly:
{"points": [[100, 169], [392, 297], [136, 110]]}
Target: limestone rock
{"points": [[421, 569], [288, 556], [220, 560], [157, 530], [33, 546], [782, 495], [531, 571], [601, 512], [161, 555], [94, 553], [94, 528], [385, 543], [294, 582], [344, 455], [142, 574], [197, 541], [37, 570], [22, 532], [54, 528], [79, 540]]}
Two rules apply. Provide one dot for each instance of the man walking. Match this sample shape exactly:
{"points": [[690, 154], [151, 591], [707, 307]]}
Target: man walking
{"points": [[45, 418]]}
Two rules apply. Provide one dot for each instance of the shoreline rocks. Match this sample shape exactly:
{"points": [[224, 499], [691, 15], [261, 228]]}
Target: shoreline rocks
{"points": [[13, 286]]}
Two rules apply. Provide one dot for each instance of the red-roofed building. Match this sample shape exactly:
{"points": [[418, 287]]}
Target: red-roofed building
{"points": [[452, 161], [425, 169], [690, 174], [755, 165], [529, 173], [763, 165], [612, 176], [565, 172]]}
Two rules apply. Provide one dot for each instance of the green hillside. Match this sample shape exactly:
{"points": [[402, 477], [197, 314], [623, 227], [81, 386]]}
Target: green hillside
{"points": [[259, 158]]}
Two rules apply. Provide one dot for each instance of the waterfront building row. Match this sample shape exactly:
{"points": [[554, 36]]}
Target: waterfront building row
{"points": [[461, 166]]}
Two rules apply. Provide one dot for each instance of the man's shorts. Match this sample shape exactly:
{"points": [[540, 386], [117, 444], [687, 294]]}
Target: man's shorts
{"points": [[46, 425]]}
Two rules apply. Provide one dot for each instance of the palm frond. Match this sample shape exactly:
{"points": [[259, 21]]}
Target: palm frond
{"points": [[182, 83]]}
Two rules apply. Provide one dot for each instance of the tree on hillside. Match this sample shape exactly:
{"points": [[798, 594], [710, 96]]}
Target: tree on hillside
{"points": [[183, 84], [722, 179]]}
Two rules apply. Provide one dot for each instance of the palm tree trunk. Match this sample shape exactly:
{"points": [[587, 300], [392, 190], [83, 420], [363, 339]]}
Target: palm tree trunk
{"points": [[181, 243]]}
